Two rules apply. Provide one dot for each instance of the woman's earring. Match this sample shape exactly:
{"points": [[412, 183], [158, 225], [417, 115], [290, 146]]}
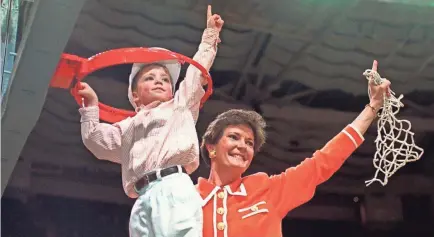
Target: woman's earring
{"points": [[212, 154]]}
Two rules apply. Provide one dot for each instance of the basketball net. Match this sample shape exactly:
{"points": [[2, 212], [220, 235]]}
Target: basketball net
{"points": [[394, 142]]}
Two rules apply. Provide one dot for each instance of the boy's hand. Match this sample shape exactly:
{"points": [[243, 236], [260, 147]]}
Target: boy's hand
{"points": [[89, 95], [213, 21]]}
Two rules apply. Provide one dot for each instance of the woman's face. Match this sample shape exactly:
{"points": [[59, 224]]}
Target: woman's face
{"points": [[235, 148]]}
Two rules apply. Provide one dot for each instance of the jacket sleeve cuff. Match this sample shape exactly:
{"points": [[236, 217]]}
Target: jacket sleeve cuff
{"points": [[354, 135]]}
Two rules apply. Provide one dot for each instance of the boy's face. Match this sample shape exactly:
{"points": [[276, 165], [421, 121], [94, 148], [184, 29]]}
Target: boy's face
{"points": [[153, 84]]}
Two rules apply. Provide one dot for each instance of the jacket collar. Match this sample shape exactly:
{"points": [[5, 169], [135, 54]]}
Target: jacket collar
{"points": [[207, 190]]}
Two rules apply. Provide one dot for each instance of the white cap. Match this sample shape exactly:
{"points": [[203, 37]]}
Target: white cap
{"points": [[173, 66]]}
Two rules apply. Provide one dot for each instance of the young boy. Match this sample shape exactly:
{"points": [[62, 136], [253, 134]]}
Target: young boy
{"points": [[158, 147]]}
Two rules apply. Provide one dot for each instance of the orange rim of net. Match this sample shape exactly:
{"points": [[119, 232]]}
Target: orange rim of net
{"points": [[72, 69]]}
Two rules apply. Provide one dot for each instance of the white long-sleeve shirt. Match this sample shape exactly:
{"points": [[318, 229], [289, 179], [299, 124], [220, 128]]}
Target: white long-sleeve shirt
{"points": [[161, 134]]}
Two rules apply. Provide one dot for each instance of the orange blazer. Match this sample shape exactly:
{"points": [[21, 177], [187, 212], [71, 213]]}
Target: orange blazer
{"points": [[256, 204]]}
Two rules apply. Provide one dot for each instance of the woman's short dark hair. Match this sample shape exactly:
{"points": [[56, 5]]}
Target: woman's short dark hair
{"points": [[233, 117]]}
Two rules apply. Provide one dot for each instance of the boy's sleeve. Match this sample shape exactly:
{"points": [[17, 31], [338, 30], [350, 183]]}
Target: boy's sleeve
{"points": [[102, 139], [190, 89]]}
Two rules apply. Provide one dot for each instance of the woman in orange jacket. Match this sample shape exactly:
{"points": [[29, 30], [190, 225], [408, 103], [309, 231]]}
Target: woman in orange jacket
{"points": [[255, 205]]}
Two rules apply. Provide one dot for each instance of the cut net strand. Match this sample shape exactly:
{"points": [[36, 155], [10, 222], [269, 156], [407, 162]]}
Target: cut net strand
{"points": [[395, 142]]}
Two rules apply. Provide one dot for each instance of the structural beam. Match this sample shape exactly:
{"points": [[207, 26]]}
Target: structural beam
{"points": [[47, 32], [320, 117], [260, 42]]}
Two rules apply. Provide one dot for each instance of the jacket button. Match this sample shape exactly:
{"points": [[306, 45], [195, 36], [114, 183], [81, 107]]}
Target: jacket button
{"points": [[220, 210], [221, 226]]}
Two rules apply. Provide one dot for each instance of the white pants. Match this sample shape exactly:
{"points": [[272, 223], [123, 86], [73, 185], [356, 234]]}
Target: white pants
{"points": [[167, 207]]}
